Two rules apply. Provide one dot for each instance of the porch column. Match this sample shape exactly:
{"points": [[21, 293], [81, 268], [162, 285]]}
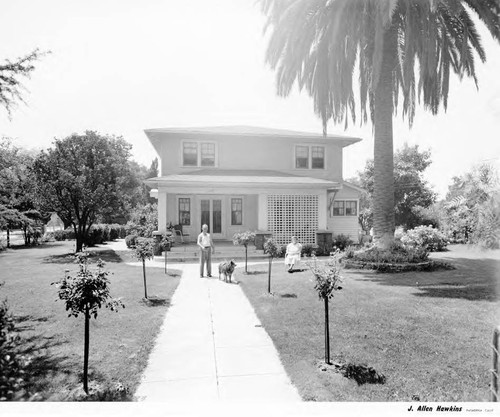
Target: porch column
{"points": [[262, 212], [162, 211], [322, 210]]}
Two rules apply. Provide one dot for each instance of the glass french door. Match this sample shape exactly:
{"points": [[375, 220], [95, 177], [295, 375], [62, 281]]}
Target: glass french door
{"points": [[211, 215]]}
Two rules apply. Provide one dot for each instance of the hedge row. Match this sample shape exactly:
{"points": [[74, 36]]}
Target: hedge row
{"points": [[99, 233]]}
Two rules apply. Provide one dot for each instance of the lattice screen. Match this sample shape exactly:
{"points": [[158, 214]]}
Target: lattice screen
{"points": [[292, 215]]}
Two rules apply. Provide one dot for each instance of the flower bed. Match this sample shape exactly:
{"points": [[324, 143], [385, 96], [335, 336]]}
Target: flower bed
{"points": [[396, 267], [398, 258]]}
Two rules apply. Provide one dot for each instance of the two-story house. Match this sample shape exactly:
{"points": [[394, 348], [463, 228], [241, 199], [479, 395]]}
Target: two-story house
{"points": [[240, 178]]}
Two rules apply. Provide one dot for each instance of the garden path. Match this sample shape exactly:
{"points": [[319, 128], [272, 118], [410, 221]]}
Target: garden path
{"points": [[212, 347]]}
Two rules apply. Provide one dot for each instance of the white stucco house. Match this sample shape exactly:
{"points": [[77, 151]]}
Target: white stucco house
{"points": [[237, 178]]}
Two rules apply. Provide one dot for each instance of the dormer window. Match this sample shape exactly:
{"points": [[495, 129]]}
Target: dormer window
{"points": [[198, 154], [309, 157]]}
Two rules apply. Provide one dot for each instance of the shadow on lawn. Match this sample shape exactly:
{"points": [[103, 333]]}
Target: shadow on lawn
{"points": [[473, 280], [42, 365], [254, 272], [154, 301], [41, 246], [22, 322]]}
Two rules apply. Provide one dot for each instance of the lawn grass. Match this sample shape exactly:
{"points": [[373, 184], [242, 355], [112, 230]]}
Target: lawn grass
{"points": [[119, 342], [429, 333]]}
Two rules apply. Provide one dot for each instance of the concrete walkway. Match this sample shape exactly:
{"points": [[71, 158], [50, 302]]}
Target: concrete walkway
{"points": [[212, 347]]}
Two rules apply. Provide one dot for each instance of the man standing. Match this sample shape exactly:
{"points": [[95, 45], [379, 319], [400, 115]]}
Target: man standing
{"points": [[207, 247]]}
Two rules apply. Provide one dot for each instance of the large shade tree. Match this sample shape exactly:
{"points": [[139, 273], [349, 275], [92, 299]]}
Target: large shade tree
{"points": [[404, 51], [83, 178], [412, 193]]}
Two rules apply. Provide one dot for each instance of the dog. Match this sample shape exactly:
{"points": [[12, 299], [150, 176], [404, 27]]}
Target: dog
{"points": [[226, 269]]}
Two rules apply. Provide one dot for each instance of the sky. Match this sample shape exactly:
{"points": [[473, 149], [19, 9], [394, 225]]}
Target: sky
{"points": [[122, 66]]}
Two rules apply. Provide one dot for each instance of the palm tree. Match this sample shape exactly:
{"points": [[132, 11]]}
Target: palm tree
{"points": [[402, 48]]}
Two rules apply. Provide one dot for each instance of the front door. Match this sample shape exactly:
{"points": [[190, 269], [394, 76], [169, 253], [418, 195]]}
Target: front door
{"points": [[211, 215]]}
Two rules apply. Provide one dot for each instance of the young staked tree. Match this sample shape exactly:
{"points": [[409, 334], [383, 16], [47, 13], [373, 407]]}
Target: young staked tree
{"points": [[318, 43], [85, 294], [244, 238], [144, 249], [81, 178], [273, 251], [328, 281], [165, 244]]}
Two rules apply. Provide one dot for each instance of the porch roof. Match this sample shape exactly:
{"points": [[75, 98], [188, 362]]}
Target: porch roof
{"points": [[242, 178]]}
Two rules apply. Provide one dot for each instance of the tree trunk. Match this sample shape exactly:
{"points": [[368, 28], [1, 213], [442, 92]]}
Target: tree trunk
{"points": [[327, 333], [8, 237], [165, 260], [86, 352], [383, 195], [246, 259], [144, 274], [79, 243], [269, 275]]}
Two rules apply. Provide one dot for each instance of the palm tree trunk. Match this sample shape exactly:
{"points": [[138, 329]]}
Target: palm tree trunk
{"points": [[383, 196]]}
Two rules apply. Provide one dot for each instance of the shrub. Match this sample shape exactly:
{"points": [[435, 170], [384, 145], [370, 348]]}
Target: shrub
{"points": [[487, 233], [95, 235], [397, 254], [425, 237], [130, 241], [67, 234], [341, 242], [308, 250], [11, 362], [48, 237], [143, 220]]}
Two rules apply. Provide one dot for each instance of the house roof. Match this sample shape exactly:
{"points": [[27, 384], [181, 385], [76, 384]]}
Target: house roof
{"points": [[240, 178], [353, 186], [158, 134]]}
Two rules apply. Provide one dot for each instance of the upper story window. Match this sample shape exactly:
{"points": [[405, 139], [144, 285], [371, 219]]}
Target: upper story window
{"points": [[309, 157], [190, 154], [195, 154], [301, 157], [318, 157], [207, 154]]}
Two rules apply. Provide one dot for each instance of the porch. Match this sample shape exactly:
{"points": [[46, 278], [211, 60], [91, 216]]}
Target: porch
{"points": [[231, 201]]}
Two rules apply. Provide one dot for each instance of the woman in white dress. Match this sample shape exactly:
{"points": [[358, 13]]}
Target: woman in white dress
{"points": [[292, 256]]}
